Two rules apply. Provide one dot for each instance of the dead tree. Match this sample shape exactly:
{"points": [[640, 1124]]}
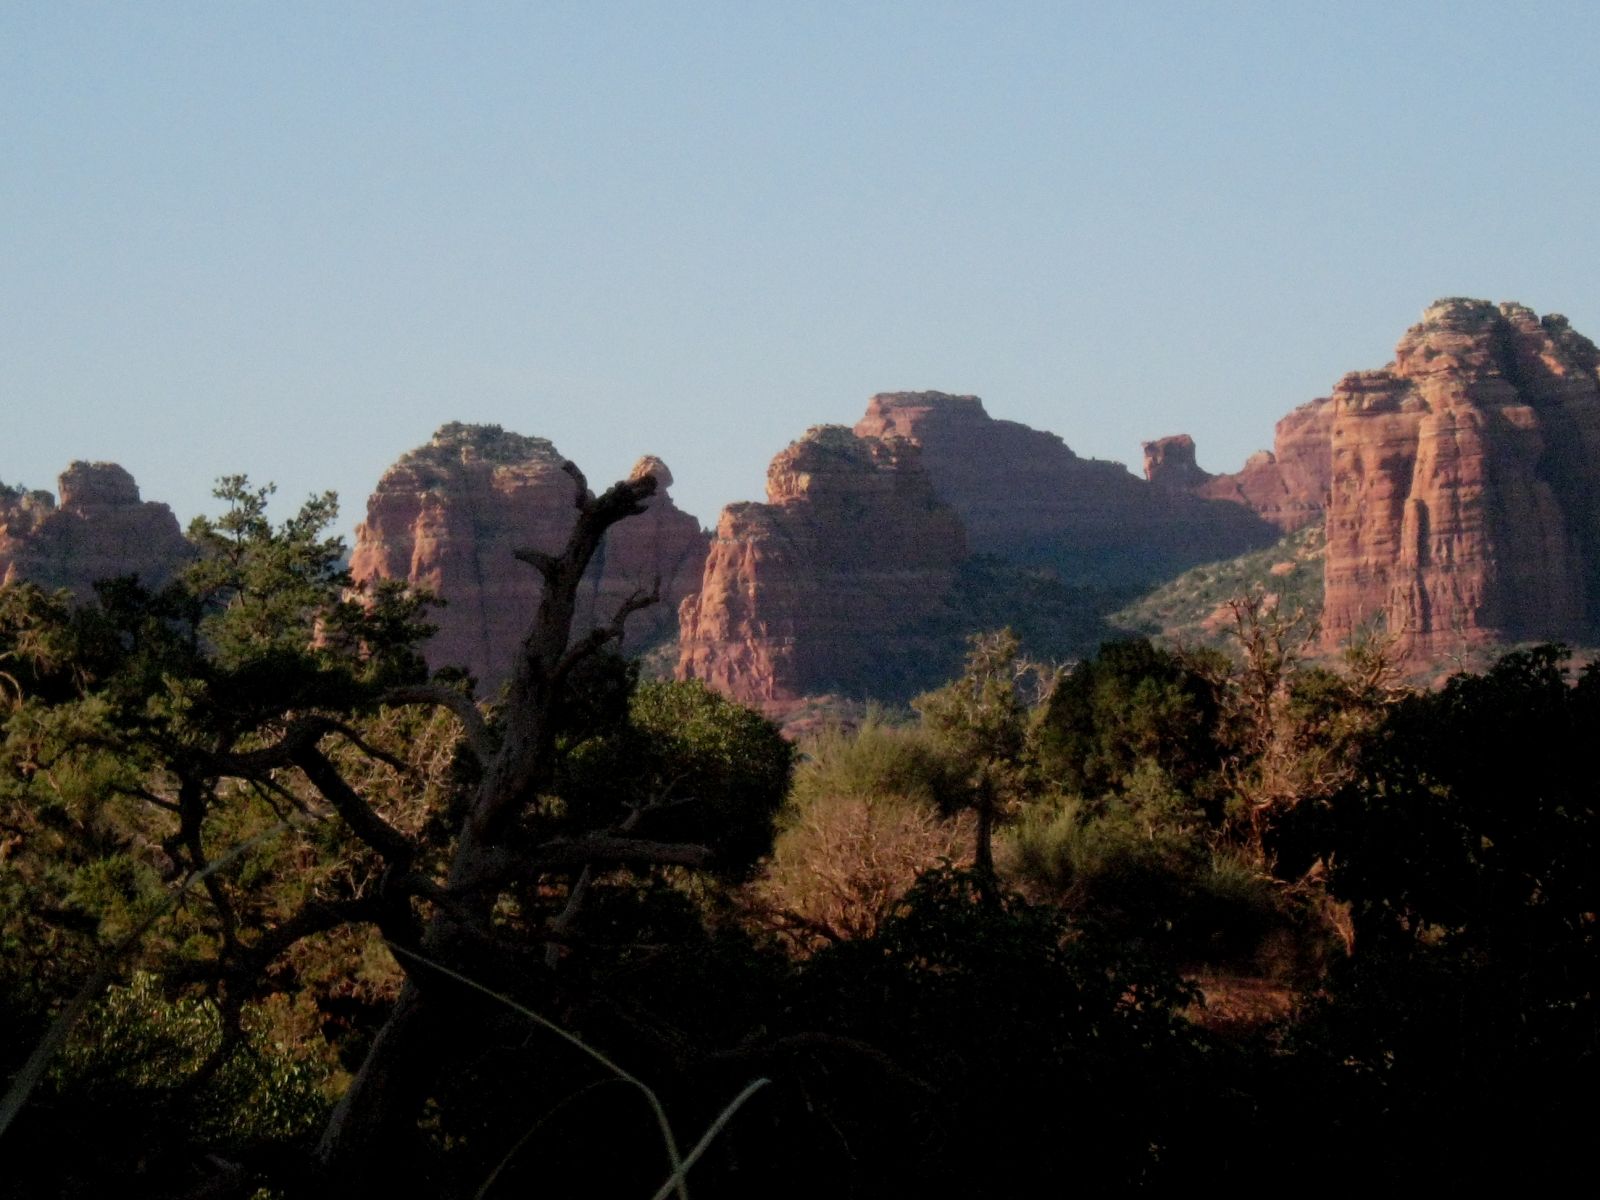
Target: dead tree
{"points": [[270, 728], [488, 852]]}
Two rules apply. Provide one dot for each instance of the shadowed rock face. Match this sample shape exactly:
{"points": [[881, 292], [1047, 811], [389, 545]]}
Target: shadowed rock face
{"points": [[1459, 486], [449, 516], [1465, 497], [100, 529], [1026, 497], [832, 584], [1286, 486], [1170, 465]]}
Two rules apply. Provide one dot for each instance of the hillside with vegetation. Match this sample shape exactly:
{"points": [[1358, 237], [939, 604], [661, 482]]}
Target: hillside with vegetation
{"points": [[1192, 609], [281, 915]]}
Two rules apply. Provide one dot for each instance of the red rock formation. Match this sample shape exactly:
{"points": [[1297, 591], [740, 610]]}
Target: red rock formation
{"points": [[99, 530], [450, 515], [1169, 464], [831, 585], [1465, 498], [1287, 487], [1026, 497]]}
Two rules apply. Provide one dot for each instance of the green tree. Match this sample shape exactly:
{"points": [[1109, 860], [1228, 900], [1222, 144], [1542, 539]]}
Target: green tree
{"points": [[156, 731], [1132, 703], [1465, 845], [692, 764], [982, 720]]}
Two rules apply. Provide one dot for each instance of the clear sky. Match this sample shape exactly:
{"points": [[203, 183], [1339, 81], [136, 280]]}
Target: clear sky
{"points": [[292, 239]]}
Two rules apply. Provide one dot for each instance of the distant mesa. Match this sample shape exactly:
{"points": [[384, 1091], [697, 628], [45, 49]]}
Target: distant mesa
{"points": [[450, 515], [834, 584], [1457, 490], [98, 529], [857, 575], [1451, 497], [1286, 486], [1026, 497]]}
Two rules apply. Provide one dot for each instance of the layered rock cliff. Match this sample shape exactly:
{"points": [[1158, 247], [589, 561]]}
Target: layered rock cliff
{"points": [[834, 584], [1027, 497], [1458, 487], [99, 528], [1169, 464], [1465, 495], [1286, 486], [450, 515]]}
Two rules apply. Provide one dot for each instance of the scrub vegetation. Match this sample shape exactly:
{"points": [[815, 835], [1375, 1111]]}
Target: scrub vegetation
{"points": [[283, 916]]}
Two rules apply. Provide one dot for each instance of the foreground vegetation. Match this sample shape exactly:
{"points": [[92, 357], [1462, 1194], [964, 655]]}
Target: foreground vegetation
{"points": [[282, 916]]}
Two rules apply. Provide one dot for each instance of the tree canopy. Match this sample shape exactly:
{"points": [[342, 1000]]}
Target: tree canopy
{"points": [[283, 915]]}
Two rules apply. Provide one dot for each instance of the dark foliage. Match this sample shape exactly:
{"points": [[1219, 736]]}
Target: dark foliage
{"points": [[1132, 702], [1467, 849], [578, 851]]}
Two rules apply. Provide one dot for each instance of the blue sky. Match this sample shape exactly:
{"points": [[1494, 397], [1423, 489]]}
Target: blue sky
{"points": [[292, 239]]}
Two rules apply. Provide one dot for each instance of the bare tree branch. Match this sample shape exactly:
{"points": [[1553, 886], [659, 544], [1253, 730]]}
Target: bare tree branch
{"points": [[487, 853], [252, 764], [249, 964], [524, 758], [498, 866], [584, 497], [367, 825], [147, 796], [613, 631], [459, 703], [371, 751], [562, 925], [544, 563]]}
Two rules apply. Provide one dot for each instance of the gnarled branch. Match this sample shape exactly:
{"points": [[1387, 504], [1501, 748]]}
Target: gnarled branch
{"points": [[497, 867], [366, 824], [545, 564], [460, 705], [583, 497], [613, 631]]}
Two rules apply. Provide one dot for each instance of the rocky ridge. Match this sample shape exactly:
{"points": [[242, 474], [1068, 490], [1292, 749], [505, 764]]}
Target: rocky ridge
{"points": [[1457, 488], [1465, 496], [98, 529], [1026, 497], [1286, 486], [449, 516], [834, 584]]}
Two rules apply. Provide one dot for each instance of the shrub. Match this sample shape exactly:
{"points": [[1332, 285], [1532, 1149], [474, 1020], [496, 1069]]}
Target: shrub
{"points": [[842, 863]]}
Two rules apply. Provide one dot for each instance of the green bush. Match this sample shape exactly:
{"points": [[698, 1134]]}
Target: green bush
{"points": [[704, 768], [1132, 702], [1142, 863], [876, 760], [146, 1048]]}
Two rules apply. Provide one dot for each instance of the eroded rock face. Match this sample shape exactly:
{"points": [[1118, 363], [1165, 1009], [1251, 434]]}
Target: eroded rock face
{"points": [[1286, 486], [99, 529], [1027, 497], [830, 586], [1465, 491], [449, 516], [1169, 464]]}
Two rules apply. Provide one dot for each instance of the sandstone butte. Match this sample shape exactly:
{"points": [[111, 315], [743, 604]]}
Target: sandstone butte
{"points": [[1464, 504], [1286, 486], [1026, 497], [98, 529], [1459, 486], [833, 584], [450, 515]]}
